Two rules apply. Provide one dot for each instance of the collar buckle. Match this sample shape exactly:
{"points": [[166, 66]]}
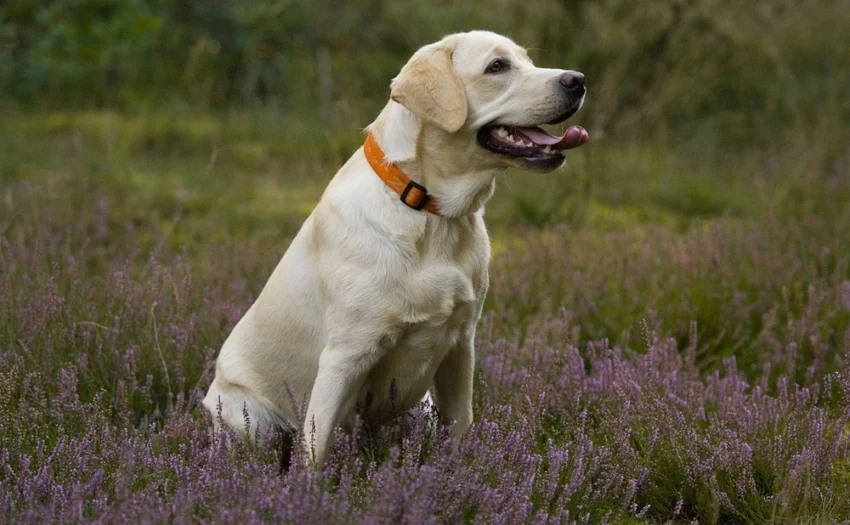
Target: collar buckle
{"points": [[419, 196]]}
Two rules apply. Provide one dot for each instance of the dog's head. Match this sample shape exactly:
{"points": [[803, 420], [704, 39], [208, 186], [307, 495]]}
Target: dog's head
{"points": [[480, 93]]}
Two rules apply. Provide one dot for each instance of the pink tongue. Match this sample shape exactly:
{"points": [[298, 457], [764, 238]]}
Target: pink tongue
{"points": [[574, 137]]}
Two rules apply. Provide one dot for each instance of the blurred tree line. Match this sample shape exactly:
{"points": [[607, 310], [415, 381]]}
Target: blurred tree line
{"points": [[737, 66]]}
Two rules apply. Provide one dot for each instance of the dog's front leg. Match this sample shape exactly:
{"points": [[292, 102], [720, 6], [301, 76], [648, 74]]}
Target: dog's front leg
{"points": [[342, 371], [453, 386]]}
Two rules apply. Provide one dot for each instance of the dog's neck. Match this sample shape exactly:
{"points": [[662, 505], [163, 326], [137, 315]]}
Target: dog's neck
{"points": [[434, 159]]}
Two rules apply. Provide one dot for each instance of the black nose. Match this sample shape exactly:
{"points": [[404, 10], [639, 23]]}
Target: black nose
{"points": [[573, 81]]}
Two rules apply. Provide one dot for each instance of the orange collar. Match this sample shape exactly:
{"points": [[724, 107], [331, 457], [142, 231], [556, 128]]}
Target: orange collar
{"points": [[412, 194]]}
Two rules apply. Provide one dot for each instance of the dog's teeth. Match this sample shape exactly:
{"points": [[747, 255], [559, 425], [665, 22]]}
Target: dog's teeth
{"points": [[526, 144], [502, 132], [547, 150], [511, 138]]}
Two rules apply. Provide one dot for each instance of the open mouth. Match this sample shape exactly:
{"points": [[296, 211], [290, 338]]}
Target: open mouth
{"points": [[537, 147]]}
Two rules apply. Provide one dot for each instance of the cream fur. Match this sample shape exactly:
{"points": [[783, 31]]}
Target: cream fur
{"points": [[375, 304]]}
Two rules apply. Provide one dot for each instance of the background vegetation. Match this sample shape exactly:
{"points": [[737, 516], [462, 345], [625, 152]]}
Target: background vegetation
{"points": [[677, 299]]}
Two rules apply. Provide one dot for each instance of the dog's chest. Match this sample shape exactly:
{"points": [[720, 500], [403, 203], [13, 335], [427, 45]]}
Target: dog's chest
{"points": [[438, 309]]}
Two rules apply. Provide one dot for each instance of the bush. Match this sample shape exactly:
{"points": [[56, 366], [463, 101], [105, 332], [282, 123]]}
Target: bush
{"points": [[707, 71]]}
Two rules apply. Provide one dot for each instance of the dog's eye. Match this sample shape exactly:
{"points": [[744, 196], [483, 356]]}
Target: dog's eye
{"points": [[497, 66]]}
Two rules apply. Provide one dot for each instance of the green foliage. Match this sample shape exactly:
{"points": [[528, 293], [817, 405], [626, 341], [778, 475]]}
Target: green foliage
{"points": [[742, 72]]}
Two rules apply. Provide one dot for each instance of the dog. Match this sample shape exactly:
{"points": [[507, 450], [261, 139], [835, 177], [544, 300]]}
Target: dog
{"points": [[375, 303]]}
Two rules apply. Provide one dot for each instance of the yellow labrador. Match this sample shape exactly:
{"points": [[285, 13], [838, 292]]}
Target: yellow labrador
{"points": [[376, 300]]}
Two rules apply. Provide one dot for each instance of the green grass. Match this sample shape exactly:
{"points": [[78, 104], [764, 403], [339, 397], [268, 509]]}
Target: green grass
{"points": [[253, 170]]}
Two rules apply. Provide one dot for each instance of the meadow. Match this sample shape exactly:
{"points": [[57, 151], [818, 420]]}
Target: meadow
{"points": [[667, 334]]}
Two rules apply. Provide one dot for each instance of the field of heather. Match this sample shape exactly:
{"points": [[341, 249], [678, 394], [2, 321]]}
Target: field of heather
{"points": [[668, 344], [667, 333]]}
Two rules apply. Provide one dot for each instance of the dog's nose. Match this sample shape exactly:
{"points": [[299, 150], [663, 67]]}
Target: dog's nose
{"points": [[573, 81]]}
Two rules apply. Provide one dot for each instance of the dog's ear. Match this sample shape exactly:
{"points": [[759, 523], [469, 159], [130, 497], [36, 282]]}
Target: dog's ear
{"points": [[430, 88]]}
